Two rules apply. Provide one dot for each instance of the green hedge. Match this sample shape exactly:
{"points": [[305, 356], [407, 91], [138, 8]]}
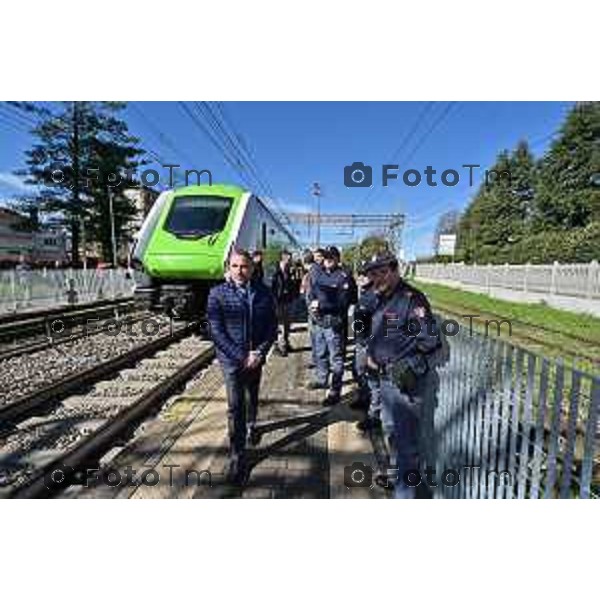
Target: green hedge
{"points": [[574, 245]]}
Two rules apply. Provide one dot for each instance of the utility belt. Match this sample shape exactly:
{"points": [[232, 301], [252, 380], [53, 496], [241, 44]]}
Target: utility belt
{"points": [[398, 373], [328, 321]]}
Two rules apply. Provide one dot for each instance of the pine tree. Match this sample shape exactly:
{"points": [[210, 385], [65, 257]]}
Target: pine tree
{"points": [[569, 191], [500, 213], [77, 148]]}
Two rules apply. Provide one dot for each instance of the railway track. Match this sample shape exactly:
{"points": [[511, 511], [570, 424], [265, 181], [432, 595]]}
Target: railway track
{"points": [[87, 415], [30, 373], [40, 323], [57, 333], [43, 398], [15, 317], [588, 351]]}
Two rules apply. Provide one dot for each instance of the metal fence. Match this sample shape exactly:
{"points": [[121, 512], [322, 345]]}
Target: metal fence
{"points": [[568, 279], [28, 289], [514, 424]]}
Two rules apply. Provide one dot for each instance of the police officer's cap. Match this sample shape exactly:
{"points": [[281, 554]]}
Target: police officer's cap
{"points": [[383, 259]]}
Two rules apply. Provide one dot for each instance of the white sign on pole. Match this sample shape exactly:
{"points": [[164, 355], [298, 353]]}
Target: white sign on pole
{"points": [[446, 244]]}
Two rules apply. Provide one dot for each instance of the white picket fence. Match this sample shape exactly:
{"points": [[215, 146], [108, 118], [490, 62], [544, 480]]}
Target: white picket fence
{"points": [[581, 279], [30, 289]]}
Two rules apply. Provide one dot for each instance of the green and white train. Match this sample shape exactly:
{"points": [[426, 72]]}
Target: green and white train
{"points": [[184, 243]]}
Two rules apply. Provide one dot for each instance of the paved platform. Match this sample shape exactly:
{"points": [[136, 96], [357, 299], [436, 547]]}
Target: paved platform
{"points": [[303, 452]]}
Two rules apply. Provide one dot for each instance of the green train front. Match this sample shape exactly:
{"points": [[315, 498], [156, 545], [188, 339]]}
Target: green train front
{"points": [[185, 240]]}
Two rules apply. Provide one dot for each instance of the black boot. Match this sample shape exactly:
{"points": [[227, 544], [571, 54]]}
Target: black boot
{"points": [[333, 397]]}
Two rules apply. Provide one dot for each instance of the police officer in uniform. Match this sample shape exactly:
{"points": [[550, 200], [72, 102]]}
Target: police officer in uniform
{"points": [[402, 353], [361, 326], [329, 298]]}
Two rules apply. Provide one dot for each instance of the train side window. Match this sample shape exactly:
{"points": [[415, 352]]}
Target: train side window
{"points": [[264, 235]]}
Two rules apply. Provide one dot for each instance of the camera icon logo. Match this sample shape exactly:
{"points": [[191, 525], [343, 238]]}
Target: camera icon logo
{"points": [[59, 477], [358, 475], [358, 175]]}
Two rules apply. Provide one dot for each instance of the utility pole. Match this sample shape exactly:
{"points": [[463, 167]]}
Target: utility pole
{"points": [[316, 192], [113, 238], [83, 242], [76, 206]]}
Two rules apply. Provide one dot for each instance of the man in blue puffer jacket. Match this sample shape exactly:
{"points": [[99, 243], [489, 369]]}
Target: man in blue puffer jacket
{"points": [[243, 323]]}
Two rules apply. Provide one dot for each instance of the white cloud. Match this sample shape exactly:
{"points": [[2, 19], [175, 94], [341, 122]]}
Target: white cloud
{"points": [[13, 182]]}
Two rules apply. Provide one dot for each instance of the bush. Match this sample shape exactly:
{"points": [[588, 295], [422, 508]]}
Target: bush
{"points": [[575, 245]]}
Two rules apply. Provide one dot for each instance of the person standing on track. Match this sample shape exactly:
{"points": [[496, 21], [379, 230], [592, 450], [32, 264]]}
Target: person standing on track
{"points": [[243, 324]]}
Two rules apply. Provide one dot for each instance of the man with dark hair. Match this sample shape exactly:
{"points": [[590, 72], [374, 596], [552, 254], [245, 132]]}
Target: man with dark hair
{"points": [[284, 288], [319, 256], [258, 271], [241, 313]]}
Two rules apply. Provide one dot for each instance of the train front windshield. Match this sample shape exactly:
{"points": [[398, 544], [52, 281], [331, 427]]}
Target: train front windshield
{"points": [[198, 216]]}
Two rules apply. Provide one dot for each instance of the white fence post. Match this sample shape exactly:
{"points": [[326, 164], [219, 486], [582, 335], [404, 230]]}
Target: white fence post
{"points": [[525, 277], [112, 283], [592, 271], [13, 289], [553, 278]]}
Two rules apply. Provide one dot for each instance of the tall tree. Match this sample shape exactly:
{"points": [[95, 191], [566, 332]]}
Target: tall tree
{"points": [[78, 147], [372, 244], [112, 210], [569, 190], [500, 213]]}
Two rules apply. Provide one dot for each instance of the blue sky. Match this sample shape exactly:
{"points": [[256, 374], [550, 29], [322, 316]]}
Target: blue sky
{"points": [[298, 143]]}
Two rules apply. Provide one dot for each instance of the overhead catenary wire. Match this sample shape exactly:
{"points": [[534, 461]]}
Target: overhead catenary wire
{"points": [[9, 125], [15, 119], [244, 146], [245, 152], [221, 132], [197, 121], [165, 141], [228, 142], [405, 140]]}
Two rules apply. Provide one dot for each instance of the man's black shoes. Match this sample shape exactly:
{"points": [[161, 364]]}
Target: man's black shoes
{"points": [[316, 385], [331, 399], [236, 473], [360, 403], [254, 437], [369, 424]]}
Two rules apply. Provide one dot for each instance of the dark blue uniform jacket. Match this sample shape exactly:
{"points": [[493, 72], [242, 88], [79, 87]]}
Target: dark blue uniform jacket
{"points": [[240, 324], [403, 329], [333, 291]]}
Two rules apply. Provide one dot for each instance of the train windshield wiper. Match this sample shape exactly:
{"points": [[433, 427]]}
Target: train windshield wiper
{"points": [[193, 233]]}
